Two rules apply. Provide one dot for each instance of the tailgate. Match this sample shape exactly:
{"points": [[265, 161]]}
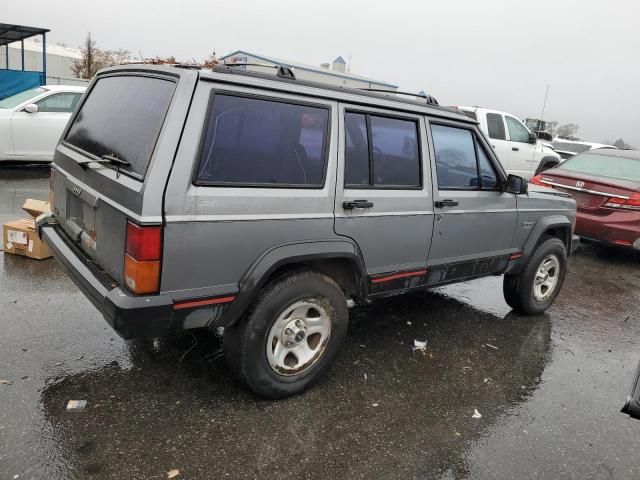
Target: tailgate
{"points": [[114, 158]]}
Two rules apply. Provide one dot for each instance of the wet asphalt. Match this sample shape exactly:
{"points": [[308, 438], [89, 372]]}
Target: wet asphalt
{"points": [[549, 388]]}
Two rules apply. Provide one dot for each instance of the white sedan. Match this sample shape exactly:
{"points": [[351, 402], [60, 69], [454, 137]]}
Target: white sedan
{"points": [[32, 121]]}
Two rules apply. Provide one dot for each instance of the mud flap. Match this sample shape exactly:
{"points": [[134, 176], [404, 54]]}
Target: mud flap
{"points": [[632, 405]]}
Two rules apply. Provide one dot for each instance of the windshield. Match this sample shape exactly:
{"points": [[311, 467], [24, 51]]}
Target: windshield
{"points": [[623, 168], [15, 100]]}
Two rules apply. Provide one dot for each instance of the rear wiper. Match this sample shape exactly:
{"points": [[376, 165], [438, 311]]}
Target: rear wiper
{"points": [[109, 159]]}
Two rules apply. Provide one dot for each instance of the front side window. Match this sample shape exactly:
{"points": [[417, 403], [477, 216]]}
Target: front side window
{"points": [[495, 126], [59, 103], [517, 131], [256, 142], [381, 152], [461, 163]]}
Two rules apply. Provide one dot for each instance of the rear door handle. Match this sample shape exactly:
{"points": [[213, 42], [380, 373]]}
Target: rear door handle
{"points": [[446, 203], [515, 149], [357, 204]]}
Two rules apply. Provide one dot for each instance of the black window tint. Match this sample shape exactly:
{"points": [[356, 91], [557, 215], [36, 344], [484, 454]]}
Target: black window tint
{"points": [[122, 117], [495, 125], [455, 157], [487, 173], [356, 155], [260, 142], [396, 159]]}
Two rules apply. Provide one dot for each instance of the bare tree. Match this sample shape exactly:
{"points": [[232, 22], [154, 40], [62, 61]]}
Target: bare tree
{"points": [[567, 130], [93, 59]]}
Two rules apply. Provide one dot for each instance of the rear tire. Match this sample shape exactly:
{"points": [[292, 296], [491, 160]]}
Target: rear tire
{"points": [[535, 288], [290, 336]]}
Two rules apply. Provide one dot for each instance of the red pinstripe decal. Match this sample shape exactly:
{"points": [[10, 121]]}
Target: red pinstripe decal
{"points": [[388, 278], [199, 303]]}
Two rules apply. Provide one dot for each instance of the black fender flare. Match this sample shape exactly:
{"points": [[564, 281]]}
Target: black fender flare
{"points": [[548, 160], [543, 225], [281, 255]]}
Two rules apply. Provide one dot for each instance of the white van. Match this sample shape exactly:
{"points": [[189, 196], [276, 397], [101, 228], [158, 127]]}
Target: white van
{"points": [[519, 150]]}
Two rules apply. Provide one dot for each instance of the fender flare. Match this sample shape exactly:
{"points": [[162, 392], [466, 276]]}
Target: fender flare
{"points": [[547, 160], [290, 253], [544, 224]]}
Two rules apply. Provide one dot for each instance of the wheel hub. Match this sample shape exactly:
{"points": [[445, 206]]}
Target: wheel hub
{"points": [[298, 337], [294, 333]]}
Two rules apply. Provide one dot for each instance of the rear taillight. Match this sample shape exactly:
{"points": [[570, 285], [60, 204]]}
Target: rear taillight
{"points": [[537, 180], [52, 187], [631, 203], [143, 252]]}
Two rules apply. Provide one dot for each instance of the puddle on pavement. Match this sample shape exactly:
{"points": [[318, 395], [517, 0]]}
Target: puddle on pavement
{"points": [[159, 413]]}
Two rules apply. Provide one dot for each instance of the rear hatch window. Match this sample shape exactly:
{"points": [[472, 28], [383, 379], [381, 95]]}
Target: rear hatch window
{"points": [[122, 118]]}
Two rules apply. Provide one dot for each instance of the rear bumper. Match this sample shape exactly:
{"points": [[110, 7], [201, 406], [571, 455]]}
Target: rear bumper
{"points": [[618, 228], [130, 316]]}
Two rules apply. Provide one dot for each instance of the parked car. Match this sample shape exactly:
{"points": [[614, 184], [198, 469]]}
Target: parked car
{"points": [[267, 205], [31, 121], [568, 148], [518, 149], [606, 186]]}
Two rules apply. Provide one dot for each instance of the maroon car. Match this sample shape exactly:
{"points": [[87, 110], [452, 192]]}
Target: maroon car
{"points": [[605, 184]]}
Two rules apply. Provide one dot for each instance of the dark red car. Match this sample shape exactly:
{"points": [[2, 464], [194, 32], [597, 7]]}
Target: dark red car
{"points": [[605, 184]]}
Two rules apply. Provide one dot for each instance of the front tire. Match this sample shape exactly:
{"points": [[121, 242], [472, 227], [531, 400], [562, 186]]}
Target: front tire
{"points": [[535, 288], [291, 335]]}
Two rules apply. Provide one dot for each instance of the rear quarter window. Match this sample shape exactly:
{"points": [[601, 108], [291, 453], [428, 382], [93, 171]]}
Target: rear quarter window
{"points": [[122, 117], [259, 142]]}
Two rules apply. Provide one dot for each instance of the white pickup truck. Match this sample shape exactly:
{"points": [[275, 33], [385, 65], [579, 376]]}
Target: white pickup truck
{"points": [[518, 149]]}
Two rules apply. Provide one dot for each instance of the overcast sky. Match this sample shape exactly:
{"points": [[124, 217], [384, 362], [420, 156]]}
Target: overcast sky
{"points": [[496, 53]]}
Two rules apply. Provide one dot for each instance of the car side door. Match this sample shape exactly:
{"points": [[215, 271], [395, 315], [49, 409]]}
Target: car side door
{"points": [[383, 194], [523, 153], [474, 218], [35, 135], [497, 132]]}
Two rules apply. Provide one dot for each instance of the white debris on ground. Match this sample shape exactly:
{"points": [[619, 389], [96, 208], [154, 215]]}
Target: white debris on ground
{"points": [[419, 345], [173, 473], [476, 414], [5, 382], [76, 405]]}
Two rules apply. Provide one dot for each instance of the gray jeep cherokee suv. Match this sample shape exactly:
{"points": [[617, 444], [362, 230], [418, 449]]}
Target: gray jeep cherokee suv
{"points": [[183, 198]]}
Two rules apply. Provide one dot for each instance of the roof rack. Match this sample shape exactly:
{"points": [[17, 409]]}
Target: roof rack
{"points": [[428, 98], [282, 71]]}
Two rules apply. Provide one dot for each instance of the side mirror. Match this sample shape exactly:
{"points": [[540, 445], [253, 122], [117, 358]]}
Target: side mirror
{"points": [[516, 185], [31, 108], [533, 138]]}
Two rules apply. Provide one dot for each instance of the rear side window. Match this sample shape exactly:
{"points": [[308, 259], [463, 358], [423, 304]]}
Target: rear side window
{"points": [[256, 142], [122, 117], [381, 152], [461, 163], [495, 125]]}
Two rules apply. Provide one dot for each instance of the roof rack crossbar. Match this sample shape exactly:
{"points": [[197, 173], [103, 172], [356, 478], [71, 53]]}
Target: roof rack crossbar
{"points": [[428, 98], [282, 71]]}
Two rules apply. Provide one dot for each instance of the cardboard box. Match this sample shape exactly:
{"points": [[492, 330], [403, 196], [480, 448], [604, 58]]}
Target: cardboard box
{"points": [[20, 238]]}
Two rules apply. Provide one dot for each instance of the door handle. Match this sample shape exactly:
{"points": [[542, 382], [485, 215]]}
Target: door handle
{"points": [[446, 203], [357, 204], [515, 149]]}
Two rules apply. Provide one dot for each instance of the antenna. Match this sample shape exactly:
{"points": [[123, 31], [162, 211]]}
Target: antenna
{"points": [[544, 105], [349, 63]]}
